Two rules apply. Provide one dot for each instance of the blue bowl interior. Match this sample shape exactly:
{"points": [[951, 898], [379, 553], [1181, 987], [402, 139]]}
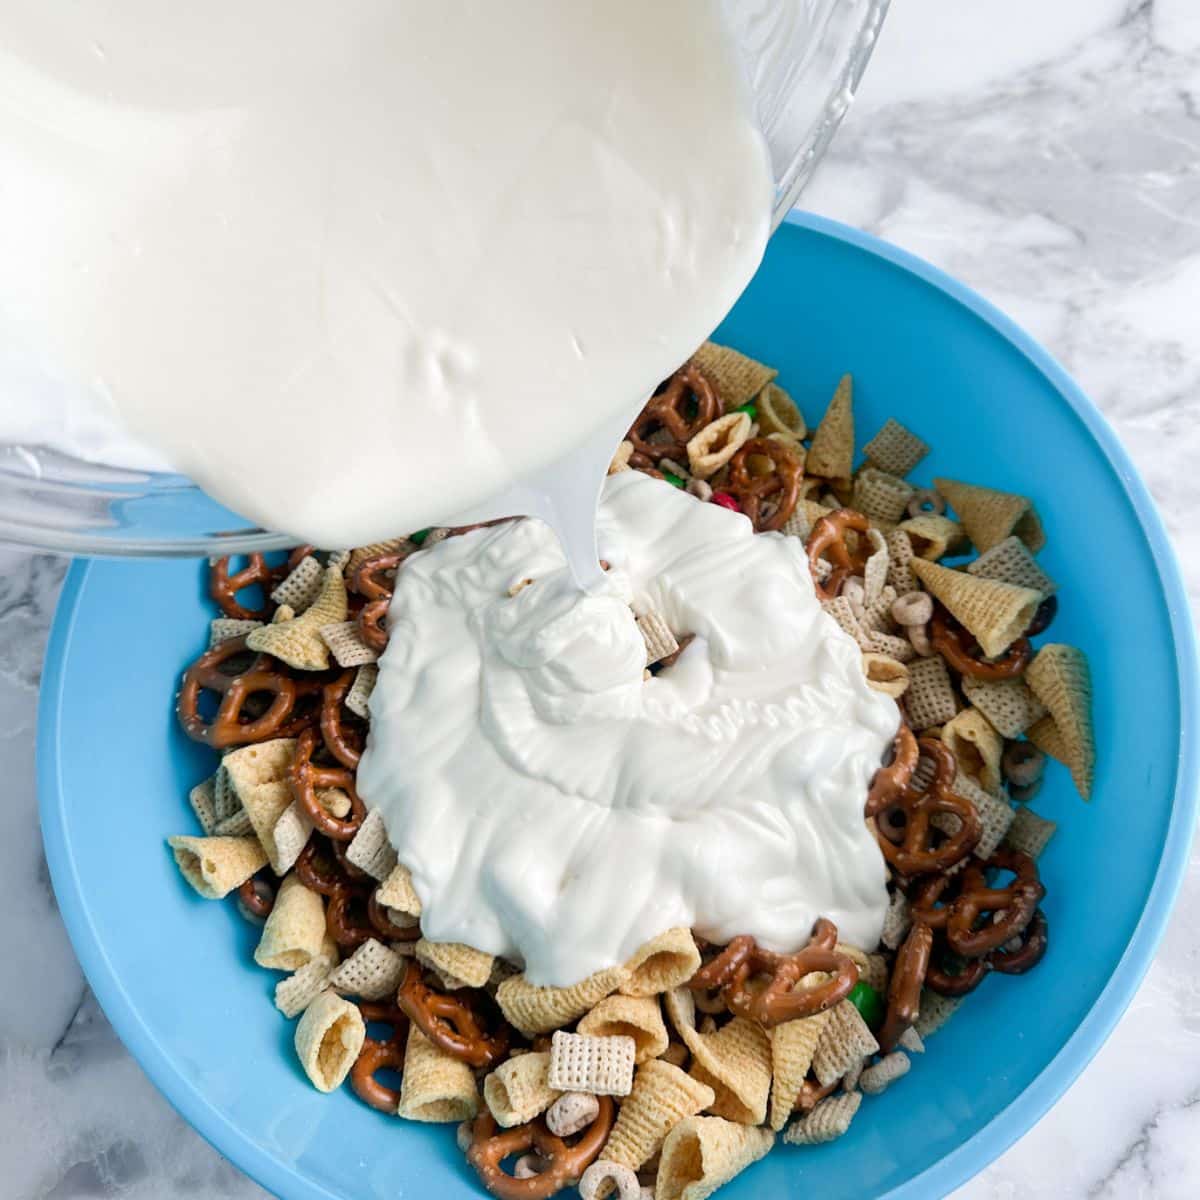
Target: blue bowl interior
{"points": [[175, 972]]}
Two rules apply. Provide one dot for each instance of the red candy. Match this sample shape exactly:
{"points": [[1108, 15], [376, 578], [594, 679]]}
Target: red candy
{"points": [[725, 500]]}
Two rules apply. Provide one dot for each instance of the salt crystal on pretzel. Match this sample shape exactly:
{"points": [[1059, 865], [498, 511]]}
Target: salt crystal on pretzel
{"points": [[989, 515], [1059, 677], [518, 1090], [930, 699], [976, 746], [885, 674], [201, 800], [1010, 562], [664, 962], [779, 415], [880, 495], [895, 449], [793, 1044], [301, 586], [1029, 833], [360, 691], [661, 1097], [346, 645], [875, 1080], [656, 633], [702, 1154], [826, 1123], [329, 1037], [735, 1061], [435, 1086], [900, 556], [397, 892], [294, 933], [533, 1009], [214, 866], [1008, 704], [298, 642], [225, 629], [735, 377], [831, 454], [602, 1066], [458, 966], [369, 850], [636, 1017], [710, 449], [845, 1041], [295, 993], [933, 536], [371, 972], [994, 613]]}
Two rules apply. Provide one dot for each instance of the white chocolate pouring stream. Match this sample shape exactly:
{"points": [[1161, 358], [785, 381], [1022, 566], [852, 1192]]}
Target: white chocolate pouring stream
{"points": [[556, 807]]}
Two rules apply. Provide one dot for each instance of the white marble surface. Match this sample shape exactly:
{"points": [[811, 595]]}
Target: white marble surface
{"points": [[1048, 153]]}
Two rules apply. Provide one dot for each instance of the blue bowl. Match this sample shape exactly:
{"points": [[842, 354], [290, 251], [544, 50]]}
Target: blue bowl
{"points": [[174, 973]]}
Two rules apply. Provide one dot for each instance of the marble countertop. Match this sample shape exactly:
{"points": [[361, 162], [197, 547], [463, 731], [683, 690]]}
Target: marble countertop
{"points": [[1048, 154]]}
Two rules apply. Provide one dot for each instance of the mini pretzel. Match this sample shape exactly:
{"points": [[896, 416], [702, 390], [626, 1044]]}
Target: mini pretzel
{"points": [[377, 915], [719, 971], [828, 540], [343, 739], [347, 917], [376, 1055], [967, 976], [889, 782], [227, 728], [962, 652], [224, 587], [1043, 617], [779, 487], [1008, 909], [374, 579], [306, 779], [913, 849], [307, 709], [812, 1092], [785, 996], [563, 1163], [904, 988], [318, 870], [256, 897], [1034, 939], [450, 1023], [669, 409]]}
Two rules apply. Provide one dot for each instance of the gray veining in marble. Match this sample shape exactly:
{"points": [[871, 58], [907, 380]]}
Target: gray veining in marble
{"points": [[1048, 154]]}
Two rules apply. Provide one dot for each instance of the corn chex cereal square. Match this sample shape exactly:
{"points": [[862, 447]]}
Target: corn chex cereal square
{"points": [[602, 1066]]}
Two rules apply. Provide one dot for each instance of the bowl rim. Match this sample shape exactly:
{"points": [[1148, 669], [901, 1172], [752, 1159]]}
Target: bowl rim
{"points": [[965, 1160]]}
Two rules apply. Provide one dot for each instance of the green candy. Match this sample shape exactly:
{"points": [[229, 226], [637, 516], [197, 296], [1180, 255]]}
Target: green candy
{"points": [[672, 479], [750, 408], [869, 1004]]}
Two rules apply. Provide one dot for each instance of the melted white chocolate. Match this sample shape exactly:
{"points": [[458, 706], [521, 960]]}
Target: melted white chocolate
{"points": [[556, 808]]}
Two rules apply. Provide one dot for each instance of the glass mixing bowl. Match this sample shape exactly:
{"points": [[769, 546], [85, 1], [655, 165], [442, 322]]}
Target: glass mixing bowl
{"points": [[803, 59]]}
